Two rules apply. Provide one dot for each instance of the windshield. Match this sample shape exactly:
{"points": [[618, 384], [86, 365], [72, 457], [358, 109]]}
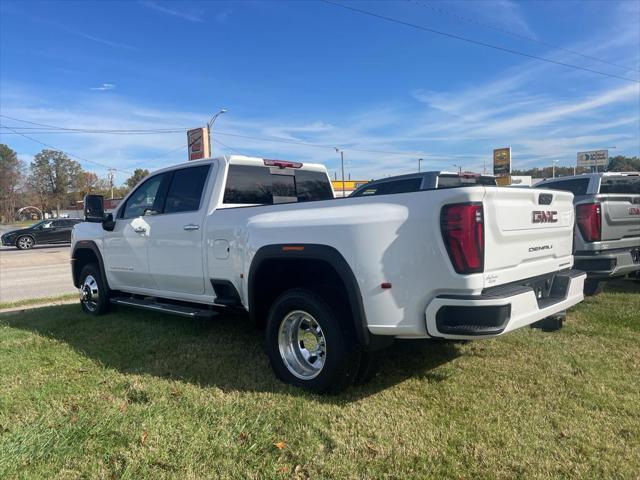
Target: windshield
{"points": [[622, 184]]}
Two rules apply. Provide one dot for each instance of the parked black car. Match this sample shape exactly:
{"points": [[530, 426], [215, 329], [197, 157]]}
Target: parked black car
{"points": [[46, 231]]}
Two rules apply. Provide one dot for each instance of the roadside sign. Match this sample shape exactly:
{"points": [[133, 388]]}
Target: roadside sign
{"points": [[593, 158], [502, 161], [197, 140]]}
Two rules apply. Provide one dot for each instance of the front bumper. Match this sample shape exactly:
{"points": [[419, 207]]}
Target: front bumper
{"points": [[499, 310], [7, 241], [608, 263]]}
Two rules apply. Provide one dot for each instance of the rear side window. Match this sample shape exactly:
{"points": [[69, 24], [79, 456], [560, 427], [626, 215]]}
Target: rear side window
{"points": [[247, 184], [629, 184], [387, 188], [577, 186], [185, 190]]}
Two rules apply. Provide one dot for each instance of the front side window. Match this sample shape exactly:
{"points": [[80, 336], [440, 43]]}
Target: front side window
{"points": [[145, 199], [185, 191]]}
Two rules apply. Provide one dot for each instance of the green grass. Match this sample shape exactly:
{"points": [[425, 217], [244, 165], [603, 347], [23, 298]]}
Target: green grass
{"points": [[37, 301], [140, 395]]}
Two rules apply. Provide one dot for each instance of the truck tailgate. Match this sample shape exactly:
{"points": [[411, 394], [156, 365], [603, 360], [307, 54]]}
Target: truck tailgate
{"points": [[528, 232], [620, 216]]}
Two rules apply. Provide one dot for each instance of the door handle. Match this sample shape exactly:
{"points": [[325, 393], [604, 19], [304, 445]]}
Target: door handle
{"points": [[140, 230], [191, 226]]}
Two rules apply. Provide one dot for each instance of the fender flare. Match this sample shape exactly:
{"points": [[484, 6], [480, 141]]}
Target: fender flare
{"points": [[88, 245], [314, 252]]}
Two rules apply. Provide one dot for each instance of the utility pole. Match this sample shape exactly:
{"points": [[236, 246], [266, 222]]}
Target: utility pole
{"points": [[110, 175], [342, 167], [459, 167], [419, 161], [210, 125]]}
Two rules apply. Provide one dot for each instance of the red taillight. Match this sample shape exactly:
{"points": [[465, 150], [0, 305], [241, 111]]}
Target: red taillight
{"points": [[282, 164], [463, 233], [589, 221]]}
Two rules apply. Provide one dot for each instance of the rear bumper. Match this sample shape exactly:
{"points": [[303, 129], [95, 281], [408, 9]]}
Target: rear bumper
{"points": [[608, 263], [502, 309]]}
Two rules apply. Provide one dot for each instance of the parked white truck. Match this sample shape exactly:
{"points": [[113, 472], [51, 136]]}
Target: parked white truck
{"points": [[331, 280], [607, 237]]}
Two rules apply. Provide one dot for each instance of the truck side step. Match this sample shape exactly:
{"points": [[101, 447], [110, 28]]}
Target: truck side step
{"points": [[152, 304]]}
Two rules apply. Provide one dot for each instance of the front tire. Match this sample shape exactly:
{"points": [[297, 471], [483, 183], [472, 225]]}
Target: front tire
{"points": [[94, 297], [593, 287], [308, 345], [25, 242]]}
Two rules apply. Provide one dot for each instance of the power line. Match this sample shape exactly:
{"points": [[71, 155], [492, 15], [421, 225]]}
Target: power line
{"points": [[518, 35], [67, 153], [229, 134], [227, 146], [475, 42]]}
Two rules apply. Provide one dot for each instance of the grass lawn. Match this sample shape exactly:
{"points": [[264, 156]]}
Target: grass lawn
{"points": [[141, 395]]}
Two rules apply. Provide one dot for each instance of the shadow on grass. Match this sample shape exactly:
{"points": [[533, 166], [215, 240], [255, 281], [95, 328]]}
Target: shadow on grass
{"points": [[225, 352], [622, 285]]}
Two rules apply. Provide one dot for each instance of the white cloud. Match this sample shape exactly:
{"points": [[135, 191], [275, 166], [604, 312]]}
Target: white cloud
{"points": [[104, 87], [191, 16]]}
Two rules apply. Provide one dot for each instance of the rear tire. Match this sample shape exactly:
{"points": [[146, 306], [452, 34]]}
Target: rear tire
{"points": [[369, 367], [25, 242], [593, 287], [308, 345], [94, 295]]}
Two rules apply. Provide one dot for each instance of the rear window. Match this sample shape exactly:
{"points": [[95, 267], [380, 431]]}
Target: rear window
{"points": [[620, 184], [247, 184], [454, 181], [577, 186]]}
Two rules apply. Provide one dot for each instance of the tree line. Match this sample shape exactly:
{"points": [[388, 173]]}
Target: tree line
{"points": [[618, 163], [52, 182]]}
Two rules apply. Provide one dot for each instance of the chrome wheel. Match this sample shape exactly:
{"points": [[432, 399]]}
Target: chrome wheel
{"points": [[25, 243], [302, 344], [89, 293]]}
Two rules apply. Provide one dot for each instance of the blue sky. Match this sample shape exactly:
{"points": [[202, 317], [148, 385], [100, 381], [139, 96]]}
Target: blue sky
{"points": [[312, 72]]}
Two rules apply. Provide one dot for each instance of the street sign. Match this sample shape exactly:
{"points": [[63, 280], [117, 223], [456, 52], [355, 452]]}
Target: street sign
{"points": [[502, 161], [594, 158], [198, 142]]}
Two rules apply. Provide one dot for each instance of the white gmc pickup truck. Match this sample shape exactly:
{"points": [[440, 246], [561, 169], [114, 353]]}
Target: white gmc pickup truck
{"points": [[331, 280]]}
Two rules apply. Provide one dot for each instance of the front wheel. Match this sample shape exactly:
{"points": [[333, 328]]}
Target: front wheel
{"points": [[25, 242], [93, 293], [593, 287], [308, 345]]}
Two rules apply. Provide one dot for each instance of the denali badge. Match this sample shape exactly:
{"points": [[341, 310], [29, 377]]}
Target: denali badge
{"points": [[541, 247], [540, 216], [634, 210]]}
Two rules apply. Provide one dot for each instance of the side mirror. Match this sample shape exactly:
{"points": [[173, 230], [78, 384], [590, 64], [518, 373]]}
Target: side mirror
{"points": [[94, 208], [109, 223]]}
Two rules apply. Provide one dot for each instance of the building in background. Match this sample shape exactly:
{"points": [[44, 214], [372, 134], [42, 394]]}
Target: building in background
{"points": [[349, 186]]}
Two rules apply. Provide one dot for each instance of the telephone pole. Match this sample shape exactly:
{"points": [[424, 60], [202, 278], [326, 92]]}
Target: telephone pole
{"points": [[341, 166], [110, 175], [419, 161]]}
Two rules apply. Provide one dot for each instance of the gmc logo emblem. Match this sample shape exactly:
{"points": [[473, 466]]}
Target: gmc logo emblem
{"points": [[634, 210], [540, 216]]}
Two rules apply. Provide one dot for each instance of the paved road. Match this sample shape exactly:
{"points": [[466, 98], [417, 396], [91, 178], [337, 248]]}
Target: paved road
{"points": [[43, 271]]}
